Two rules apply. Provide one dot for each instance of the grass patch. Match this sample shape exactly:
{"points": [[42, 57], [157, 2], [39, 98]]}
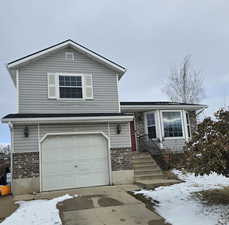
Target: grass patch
{"points": [[214, 197]]}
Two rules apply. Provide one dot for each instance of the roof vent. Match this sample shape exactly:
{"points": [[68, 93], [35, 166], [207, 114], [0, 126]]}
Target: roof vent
{"points": [[69, 56]]}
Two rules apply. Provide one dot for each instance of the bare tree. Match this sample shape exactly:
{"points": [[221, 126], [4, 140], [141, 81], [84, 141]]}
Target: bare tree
{"points": [[184, 84]]}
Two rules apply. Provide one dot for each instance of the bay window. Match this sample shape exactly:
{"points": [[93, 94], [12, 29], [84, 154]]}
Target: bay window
{"points": [[172, 123]]}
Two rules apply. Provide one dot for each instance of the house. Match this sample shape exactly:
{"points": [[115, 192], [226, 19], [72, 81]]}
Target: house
{"points": [[71, 130]]}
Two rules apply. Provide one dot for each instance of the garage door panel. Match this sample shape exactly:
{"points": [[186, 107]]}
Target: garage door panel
{"points": [[83, 181], [55, 155], [70, 161], [51, 168], [52, 182]]}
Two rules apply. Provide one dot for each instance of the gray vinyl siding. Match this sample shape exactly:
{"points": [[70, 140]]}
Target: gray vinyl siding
{"points": [[175, 145], [23, 144], [116, 140], [33, 85], [64, 128], [120, 140], [30, 144]]}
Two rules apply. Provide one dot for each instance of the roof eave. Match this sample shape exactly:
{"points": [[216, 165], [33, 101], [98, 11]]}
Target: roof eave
{"points": [[12, 75], [133, 108], [68, 119]]}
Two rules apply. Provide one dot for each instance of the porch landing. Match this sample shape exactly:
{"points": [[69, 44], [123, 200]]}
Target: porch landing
{"points": [[151, 184]]}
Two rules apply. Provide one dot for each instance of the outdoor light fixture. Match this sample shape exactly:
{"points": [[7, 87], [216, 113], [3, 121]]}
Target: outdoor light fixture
{"points": [[26, 131], [118, 128]]}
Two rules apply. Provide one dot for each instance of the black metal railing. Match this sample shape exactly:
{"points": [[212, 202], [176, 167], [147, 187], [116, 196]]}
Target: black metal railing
{"points": [[150, 145]]}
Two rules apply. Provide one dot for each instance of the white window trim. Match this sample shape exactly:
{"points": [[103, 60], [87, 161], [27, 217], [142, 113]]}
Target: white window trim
{"points": [[156, 124], [182, 125], [71, 99], [70, 75]]}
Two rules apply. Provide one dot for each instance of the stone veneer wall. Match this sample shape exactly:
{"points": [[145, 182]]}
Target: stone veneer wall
{"points": [[140, 126], [25, 165], [139, 123], [121, 159]]}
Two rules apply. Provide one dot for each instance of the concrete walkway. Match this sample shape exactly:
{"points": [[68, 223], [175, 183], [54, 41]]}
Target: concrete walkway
{"points": [[106, 205]]}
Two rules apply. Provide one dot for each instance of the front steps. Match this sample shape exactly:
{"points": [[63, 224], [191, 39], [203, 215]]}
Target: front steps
{"points": [[146, 171], [145, 168]]}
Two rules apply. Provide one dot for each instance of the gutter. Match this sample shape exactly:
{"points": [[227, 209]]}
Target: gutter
{"points": [[144, 107], [69, 119]]}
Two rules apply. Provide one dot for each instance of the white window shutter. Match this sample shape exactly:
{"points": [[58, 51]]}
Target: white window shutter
{"points": [[88, 86], [52, 85]]}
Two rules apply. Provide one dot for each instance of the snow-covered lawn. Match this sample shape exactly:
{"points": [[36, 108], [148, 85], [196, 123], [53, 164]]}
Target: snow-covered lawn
{"points": [[36, 212], [178, 206]]}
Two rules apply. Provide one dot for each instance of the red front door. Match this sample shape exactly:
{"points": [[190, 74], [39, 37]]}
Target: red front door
{"points": [[133, 136]]}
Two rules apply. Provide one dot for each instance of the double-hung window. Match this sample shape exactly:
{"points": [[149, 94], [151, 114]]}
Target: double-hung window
{"points": [[172, 123], [151, 125], [70, 86]]}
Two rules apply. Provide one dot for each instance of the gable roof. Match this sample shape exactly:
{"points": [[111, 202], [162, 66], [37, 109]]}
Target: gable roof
{"points": [[74, 45], [67, 43]]}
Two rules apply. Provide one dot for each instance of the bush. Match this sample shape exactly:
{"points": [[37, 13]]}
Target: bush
{"points": [[208, 151]]}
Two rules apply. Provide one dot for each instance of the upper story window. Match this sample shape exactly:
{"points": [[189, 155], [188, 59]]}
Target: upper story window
{"points": [[70, 87], [172, 123], [151, 125]]}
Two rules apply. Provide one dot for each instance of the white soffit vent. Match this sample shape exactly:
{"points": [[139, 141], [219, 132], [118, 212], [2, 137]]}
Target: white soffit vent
{"points": [[69, 56]]}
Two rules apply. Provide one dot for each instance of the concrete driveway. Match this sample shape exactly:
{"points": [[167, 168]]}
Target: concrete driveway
{"points": [[106, 205], [110, 205], [7, 206]]}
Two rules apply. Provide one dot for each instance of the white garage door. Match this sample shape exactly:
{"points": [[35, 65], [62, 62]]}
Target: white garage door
{"points": [[71, 161]]}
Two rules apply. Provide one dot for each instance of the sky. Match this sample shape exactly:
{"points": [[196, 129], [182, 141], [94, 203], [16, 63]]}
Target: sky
{"points": [[148, 37]]}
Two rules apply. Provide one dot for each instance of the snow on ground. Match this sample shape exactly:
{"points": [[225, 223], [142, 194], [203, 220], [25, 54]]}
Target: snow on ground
{"points": [[178, 206], [36, 212]]}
